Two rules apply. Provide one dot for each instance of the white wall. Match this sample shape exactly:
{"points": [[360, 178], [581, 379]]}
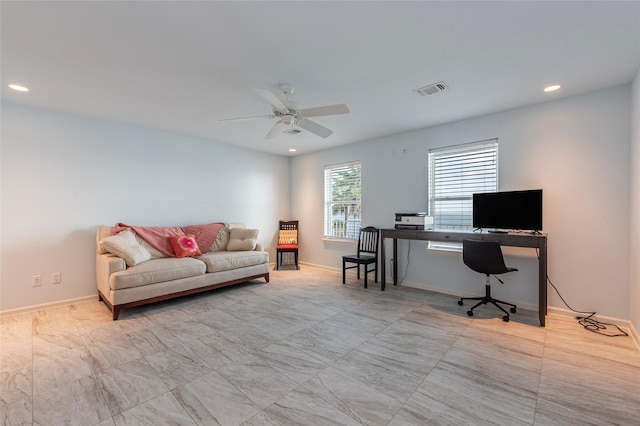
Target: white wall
{"points": [[634, 299], [576, 149], [63, 176]]}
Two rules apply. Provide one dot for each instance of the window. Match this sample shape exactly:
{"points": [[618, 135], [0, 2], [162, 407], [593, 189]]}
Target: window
{"points": [[342, 204], [455, 173]]}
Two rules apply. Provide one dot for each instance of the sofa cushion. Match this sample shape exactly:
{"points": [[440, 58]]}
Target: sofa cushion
{"points": [[241, 239], [125, 245], [185, 245], [156, 271], [225, 260]]}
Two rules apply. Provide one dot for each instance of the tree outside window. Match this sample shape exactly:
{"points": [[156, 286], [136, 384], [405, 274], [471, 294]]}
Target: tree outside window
{"points": [[342, 193]]}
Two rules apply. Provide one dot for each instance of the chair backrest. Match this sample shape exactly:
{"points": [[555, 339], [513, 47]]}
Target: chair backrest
{"points": [[484, 257], [368, 240], [288, 233], [288, 225]]}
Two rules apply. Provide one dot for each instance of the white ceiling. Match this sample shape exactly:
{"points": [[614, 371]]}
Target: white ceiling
{"points": [[180, 67]]}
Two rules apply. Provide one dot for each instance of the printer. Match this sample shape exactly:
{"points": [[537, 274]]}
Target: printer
{"points": [[418, 221]]}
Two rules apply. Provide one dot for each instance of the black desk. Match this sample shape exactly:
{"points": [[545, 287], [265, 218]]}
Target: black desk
{"points": [[511, 239]]}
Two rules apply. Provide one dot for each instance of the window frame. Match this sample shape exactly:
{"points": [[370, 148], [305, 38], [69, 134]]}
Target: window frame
{"points": [[446, 171], [349, 232]]}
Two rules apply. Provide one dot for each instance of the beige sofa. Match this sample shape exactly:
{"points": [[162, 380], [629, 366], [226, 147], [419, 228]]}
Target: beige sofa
{"points": [[162, 277]]}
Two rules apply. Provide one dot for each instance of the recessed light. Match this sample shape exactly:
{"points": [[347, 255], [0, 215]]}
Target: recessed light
{"points": [[18, 87], [552, 88], [292, 150]]}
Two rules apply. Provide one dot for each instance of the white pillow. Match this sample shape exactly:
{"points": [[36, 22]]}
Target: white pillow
{"points": [[241, 239], [220, 244], [125, 245]]}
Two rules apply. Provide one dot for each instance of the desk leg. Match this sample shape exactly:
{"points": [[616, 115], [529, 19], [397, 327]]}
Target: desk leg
{"points": [[383, 269], [542, 283], [395, 261]]}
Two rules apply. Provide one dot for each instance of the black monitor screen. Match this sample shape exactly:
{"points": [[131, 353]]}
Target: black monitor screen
{"points": [[508, 210]]}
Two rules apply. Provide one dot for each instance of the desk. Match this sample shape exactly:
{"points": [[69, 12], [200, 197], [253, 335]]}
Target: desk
{"points": [[538, 241]]}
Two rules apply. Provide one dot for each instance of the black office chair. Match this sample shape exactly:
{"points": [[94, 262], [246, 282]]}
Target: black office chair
{"points": [[367, 254], [486, 258]]}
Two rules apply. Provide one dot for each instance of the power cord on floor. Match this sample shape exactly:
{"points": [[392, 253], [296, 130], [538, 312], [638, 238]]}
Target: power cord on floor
{"points": [[589, 322], [406, 269]]}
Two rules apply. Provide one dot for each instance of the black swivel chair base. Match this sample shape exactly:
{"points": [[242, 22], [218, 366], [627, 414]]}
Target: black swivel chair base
{"points": [[488, 299]]}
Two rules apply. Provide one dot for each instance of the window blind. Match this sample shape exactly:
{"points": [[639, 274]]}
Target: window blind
{"points": [[342, 203], [455, 174]]}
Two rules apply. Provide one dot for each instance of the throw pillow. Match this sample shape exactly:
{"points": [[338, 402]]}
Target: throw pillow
{"points": [[125, 245], [288, 236], [185, 245], [241, 239], [223, 236]]}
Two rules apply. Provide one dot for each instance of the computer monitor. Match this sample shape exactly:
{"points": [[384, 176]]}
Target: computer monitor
{"points": [[517, 210]]}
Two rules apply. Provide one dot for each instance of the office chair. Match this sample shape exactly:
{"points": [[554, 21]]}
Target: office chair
{"points": [[486, 258], [287, 241], [367, 254]]}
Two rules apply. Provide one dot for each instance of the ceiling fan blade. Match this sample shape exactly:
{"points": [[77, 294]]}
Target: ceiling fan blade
{"points": [[314, 128], [325, 110], [273, 100], [276, 130], [247, 118]]}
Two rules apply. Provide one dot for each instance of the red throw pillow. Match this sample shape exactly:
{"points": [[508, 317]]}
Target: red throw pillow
{"points": [[185, 245]]}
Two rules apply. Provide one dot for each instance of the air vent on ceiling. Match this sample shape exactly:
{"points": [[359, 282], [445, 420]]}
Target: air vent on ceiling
{"points": [[292, 131], [431, 89]]}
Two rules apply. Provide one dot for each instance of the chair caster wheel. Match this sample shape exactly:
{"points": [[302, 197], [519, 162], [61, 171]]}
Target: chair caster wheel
{"points": [[470, 313], [513, 310], [505, 318], [460, 302]]}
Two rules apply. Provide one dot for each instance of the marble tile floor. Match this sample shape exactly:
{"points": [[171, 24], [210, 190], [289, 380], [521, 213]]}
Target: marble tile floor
{"points": [[306, 350]]}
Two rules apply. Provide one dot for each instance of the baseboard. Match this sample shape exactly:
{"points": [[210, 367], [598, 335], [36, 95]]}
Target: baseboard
{"points": [[563, 312], [635, 335], [421, 286], [35, 308], [325, 267]]}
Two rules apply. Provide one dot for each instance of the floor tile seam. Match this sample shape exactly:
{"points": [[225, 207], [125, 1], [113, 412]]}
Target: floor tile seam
{"points": [[542, 358], [481, 402], [593, 359], [354, 417], [109, 394]]}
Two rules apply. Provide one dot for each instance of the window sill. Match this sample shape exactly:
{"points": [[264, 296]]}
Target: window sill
{"points": [[341, 241], [450, 247]]}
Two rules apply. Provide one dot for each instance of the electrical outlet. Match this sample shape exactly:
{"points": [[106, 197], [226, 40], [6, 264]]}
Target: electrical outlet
{"points": [[56, 277], [36, 280]]}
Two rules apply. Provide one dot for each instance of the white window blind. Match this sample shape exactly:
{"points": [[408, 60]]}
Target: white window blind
{"points": [[342, 204], [455, 174]]}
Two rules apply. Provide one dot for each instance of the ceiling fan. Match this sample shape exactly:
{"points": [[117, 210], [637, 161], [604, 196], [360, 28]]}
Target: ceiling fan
{"points": [[290, 116]]}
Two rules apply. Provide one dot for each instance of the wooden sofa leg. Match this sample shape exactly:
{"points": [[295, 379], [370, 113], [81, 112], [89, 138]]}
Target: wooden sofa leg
{"points": [[116, 313], [266, 277]]}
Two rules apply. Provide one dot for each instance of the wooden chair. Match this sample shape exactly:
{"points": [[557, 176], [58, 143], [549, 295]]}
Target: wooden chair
{"points": [[287, 241], [367, 254]]}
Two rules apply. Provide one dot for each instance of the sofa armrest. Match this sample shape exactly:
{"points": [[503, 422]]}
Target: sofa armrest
{"points": [[259, 247], [107, 264]]}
